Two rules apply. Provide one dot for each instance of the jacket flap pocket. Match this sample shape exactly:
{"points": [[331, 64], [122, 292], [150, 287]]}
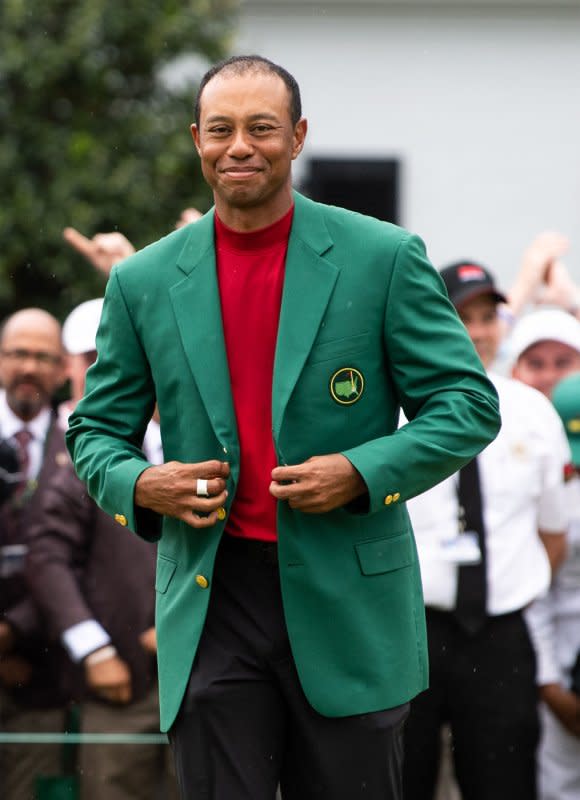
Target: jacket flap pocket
{"points": [[385, 555], [339, 348], [165, 569]]}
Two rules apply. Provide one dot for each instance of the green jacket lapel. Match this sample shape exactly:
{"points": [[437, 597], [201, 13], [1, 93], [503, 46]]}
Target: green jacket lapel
{"points": [[308, 283], [197, 308]]}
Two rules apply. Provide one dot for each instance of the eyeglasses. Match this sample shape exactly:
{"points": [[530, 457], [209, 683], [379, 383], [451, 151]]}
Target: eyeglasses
{"points": [[42, 358]]}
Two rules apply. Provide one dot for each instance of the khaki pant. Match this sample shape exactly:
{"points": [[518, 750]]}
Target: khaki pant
{"points": [[125, 771], [21, 764]]}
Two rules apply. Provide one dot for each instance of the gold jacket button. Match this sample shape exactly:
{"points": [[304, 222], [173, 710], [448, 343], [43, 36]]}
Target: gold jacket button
{"points": [[388, 499], [396, 496], [121, 519], [221, 513], [202, 581]]}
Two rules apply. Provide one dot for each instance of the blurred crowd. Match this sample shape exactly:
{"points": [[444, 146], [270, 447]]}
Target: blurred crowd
{"points": [[77, 636]]}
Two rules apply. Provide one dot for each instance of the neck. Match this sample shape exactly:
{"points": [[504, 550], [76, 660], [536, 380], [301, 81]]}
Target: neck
{"points": [[254, 218]]}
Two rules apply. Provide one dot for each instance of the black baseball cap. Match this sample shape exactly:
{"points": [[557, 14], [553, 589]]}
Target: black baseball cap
{"points": [[466, 280]]}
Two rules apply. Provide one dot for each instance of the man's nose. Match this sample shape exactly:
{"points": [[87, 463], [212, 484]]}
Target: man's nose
{"points": [[240, 145], [29, 363]]}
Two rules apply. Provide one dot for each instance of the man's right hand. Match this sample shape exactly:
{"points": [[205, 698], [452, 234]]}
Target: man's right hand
{"points": [[110, 680], [171, 490]]}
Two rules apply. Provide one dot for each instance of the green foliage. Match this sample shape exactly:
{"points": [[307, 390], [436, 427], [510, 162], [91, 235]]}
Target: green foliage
{"points": [[91, 137]]}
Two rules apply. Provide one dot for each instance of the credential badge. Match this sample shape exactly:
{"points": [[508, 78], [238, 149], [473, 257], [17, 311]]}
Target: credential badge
{"points": [[347, 385]]}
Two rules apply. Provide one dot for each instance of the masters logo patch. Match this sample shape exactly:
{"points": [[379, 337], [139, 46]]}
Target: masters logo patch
{"points": [[347, 385]]}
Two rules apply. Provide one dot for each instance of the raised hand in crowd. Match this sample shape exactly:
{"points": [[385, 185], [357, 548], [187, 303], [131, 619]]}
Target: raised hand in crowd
{"points": [[542, 277], [103, 251], [561, 290]]}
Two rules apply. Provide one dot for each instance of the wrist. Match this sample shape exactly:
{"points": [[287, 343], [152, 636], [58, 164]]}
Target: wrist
{"points": [[102, 654], [144, 485]]}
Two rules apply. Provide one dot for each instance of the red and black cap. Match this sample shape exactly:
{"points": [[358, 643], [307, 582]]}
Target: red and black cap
{"points": [[466, 280]]}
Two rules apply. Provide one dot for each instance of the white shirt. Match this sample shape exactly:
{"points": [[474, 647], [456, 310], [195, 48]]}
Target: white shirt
{"points": [[152, 446], [522, 487], [554, 620], [10, 424]]}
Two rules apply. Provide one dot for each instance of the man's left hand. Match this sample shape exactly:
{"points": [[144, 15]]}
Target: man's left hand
{"points": [[320, 484]]}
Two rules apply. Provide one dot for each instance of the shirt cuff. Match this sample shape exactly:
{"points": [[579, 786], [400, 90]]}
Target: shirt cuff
{"points": [[84, 638]]}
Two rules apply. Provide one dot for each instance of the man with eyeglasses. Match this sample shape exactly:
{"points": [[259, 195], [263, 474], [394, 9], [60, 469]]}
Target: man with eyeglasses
{"points": [[31, 370]]}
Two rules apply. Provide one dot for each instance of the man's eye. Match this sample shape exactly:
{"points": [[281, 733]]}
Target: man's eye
{"points": [[219, 130], [261, 129]]}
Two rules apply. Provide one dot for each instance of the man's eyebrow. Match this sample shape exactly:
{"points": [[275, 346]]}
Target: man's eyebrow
{"points": [[213, 118]]}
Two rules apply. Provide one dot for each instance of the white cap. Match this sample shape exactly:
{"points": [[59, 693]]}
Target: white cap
{"points": [[548, 324], [79, 331]]}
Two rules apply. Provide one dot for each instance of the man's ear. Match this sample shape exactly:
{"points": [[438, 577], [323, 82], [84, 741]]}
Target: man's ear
{"points": [[195, 136], [299, 136]]}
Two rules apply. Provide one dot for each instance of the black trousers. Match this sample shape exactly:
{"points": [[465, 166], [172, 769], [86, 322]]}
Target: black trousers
{"points": [[484, 686], [245, 726]]}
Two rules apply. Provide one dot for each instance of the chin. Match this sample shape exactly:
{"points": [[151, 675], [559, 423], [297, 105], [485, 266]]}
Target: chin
{"points": [[28, 406]]}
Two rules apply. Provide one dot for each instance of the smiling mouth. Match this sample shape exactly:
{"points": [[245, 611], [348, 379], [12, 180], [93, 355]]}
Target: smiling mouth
{"points": [[239, 172]]}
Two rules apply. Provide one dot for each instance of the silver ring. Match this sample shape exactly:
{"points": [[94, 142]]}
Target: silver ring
{"points": [[201, 488]]}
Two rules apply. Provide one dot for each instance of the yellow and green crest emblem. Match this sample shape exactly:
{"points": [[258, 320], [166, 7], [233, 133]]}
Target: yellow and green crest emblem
{"points": [[347, 385]]}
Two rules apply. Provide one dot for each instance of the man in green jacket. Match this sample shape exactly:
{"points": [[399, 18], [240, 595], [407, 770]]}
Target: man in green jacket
{"points": [[280, 338]]}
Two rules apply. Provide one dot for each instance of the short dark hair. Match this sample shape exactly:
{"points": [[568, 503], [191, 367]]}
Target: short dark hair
{"points": [[238, 65]]}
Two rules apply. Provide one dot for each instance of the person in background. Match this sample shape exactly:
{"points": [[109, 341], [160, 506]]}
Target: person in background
{"points": [[488, 539], [555, 622], [94, 587], [78, 333], [545, 350], [31, 371], [544, 347]]}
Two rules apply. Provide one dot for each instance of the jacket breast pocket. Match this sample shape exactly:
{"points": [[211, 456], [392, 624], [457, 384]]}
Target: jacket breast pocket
{"points": [[385, 555], [339, 348], [165, 570]]}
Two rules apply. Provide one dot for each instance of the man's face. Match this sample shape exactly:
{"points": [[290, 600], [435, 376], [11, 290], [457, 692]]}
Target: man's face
{"points": [[544, 364], [247, 142], [480, 318], [31, 365]]}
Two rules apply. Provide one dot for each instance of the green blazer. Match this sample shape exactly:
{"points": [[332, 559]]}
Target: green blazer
{"points": [[365, 328]]}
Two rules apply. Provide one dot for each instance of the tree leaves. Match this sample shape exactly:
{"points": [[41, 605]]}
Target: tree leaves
{"points": [[91, 135]]}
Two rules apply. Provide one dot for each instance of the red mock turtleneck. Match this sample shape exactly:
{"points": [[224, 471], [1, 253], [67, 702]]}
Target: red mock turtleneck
{"points": [[250, 268]]}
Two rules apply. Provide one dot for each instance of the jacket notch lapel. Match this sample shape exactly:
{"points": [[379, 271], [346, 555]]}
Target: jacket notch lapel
{"points": [[197, 308], [308, 284]]}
